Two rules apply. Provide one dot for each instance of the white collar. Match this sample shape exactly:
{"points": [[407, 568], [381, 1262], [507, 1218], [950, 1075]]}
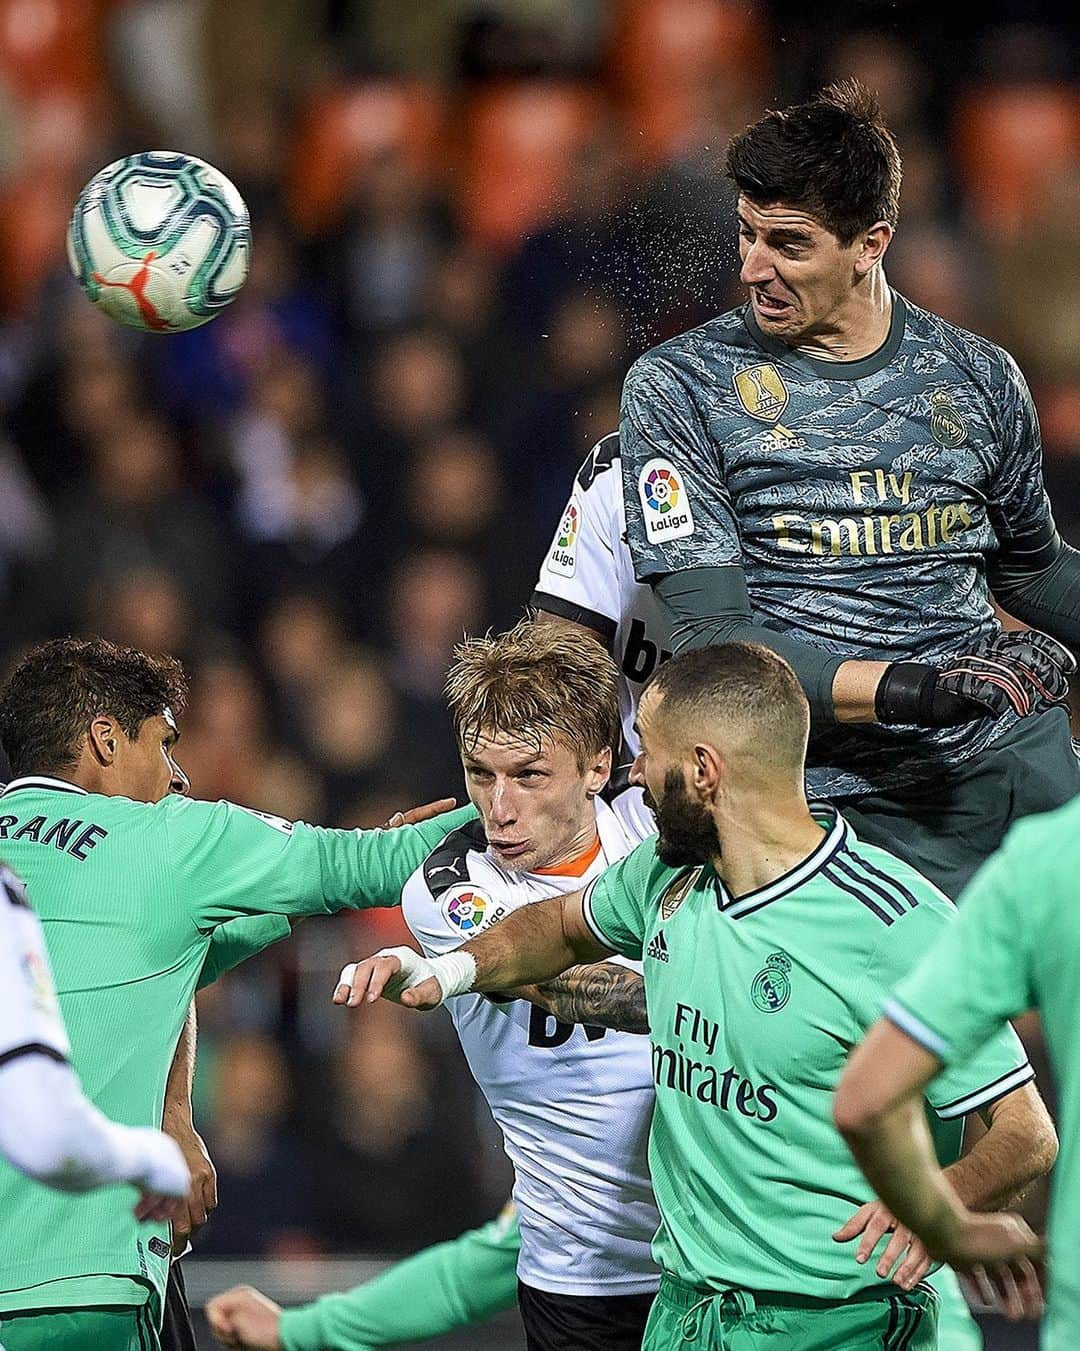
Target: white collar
{"points": [[43, 781]]}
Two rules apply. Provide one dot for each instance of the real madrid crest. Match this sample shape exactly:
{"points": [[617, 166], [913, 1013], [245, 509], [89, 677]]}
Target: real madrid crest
{"points": [[947, 427], [762, 392], [771, 987]]}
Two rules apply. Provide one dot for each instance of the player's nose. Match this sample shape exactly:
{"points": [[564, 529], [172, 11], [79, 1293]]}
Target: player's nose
{"points": [[637, 772], [757, 267], [180, 781], [502, 809]]}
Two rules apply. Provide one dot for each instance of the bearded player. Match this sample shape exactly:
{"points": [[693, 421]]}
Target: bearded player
{"points": [[769, 935]]}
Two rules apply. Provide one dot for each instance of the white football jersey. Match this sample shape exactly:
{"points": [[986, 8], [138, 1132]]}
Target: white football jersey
{"points": [[30, 1021], [588, 575], [574, 1103]]}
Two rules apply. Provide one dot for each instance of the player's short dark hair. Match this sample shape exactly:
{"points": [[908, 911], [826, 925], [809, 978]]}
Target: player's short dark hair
{"points": [[746, 686], [832, 157], [49, 701], [536, 680]]}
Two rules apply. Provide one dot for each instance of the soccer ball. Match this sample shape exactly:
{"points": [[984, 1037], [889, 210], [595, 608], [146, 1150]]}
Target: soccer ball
{"points": [[160, 241]]}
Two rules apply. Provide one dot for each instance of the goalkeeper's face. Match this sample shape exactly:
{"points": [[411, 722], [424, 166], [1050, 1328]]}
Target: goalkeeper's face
{"points": [[536, 800], [800, 277]]}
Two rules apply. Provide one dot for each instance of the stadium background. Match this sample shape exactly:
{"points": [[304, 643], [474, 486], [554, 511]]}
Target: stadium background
{"points": [[468, 217]]}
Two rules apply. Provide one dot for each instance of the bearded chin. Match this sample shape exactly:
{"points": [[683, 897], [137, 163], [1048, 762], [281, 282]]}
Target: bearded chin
{"points": [[687, 831]]}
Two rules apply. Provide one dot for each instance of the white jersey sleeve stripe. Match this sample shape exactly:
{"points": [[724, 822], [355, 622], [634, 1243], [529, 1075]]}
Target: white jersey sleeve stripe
{"points": [[983, 1097], [916, 1029]]}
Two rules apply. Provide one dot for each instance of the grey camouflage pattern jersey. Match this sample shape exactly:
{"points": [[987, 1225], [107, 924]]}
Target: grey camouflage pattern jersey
{"points": [[862, 499]]}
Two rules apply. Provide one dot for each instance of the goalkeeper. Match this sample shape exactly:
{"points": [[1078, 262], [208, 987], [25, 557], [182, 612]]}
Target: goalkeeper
{"points": [[845, 477]]}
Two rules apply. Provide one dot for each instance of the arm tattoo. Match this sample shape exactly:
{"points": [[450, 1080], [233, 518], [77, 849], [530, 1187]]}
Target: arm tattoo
{"points": [[603, 994]]}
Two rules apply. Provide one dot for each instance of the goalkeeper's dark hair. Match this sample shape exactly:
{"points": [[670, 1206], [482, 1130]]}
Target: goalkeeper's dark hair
{"points": [[832, 157], [744, 694], [53, 695]]}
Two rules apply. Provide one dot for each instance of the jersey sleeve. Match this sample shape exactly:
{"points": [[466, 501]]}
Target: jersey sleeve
{"points": [[976, 975], [577, 576], [988, 1069], [614, 905], [30, 1021], [679, 512], [1018, 506], [228, 861], [239, 939]]}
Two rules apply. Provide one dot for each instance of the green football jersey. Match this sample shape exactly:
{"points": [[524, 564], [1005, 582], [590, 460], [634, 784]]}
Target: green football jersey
{"points": [[1016, 946], [129, 895], [754, 1005]]}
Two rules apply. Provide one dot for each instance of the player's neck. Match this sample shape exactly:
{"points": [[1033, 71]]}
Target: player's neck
{"points": [[858, 328], [760, 843], [576, 855]]}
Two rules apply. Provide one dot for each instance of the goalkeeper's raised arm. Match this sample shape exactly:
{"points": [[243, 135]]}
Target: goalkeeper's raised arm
{"points": [[531, 945]]}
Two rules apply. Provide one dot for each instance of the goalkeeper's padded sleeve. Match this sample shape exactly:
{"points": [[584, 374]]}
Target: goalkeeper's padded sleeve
{"points": [[51, 1131], [451, 1285], [712, 605], [1037, 580]]}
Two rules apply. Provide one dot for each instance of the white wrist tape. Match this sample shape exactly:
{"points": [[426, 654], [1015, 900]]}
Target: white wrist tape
{"points": [[455, 972]]}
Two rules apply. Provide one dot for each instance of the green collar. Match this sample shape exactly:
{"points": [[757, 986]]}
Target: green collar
{"points": [[834, 370]]}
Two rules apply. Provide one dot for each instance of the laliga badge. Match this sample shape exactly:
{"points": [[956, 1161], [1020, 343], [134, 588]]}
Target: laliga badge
{"points": [[665, 503]]}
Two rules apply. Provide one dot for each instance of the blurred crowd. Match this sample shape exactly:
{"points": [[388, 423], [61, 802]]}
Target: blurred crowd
{"points": [[468, 217]]}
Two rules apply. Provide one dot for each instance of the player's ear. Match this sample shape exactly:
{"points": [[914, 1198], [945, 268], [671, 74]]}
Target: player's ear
{"points": [[708, 770], [598, 773], [874, 243], [103, 738]]}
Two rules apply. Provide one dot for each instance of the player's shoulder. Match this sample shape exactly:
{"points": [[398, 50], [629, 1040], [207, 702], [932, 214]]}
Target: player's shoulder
{"points": [[984, 362], [884, 889], [1048, 842], [598, 466], [718, 344], [448, 861]]}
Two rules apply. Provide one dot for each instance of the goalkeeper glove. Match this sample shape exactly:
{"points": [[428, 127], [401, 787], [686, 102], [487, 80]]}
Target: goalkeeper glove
{"points": [[1020, 672]]}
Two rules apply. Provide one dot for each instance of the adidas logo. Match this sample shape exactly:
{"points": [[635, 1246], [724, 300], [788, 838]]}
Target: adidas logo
{"points": [[657, 948]]}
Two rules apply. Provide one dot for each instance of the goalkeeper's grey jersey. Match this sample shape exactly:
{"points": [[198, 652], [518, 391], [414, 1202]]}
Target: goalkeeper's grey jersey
{"points": [[862, 499], [574, 1103], [588, 576]]}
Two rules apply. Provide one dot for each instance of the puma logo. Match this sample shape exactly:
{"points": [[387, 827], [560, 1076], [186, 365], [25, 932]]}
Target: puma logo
{"points": [[137, 287]]}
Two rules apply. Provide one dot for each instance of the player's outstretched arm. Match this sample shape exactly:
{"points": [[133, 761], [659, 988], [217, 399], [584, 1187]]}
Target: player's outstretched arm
{"points": [[530, 946], [450, 1285], [49, 1129], [53, 1133], [602, 994]]}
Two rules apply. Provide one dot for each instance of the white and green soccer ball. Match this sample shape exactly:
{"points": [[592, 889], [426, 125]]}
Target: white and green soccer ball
{"points": [[160, 241]]}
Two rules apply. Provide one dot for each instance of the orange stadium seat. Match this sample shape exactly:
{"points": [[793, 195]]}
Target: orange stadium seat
{"points": [[1011, 143], [661, 46], [345, 127], [520, 140], [47, 46], [34, 212]]}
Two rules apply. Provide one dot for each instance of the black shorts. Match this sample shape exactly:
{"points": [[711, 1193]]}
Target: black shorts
{"points": [[177, 1334], [582, 1322], [949, 826]]}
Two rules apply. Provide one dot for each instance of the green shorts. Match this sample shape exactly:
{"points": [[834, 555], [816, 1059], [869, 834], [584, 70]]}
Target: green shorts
{"points": [[736, 1320], [951, 824], [106, 1328]]}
